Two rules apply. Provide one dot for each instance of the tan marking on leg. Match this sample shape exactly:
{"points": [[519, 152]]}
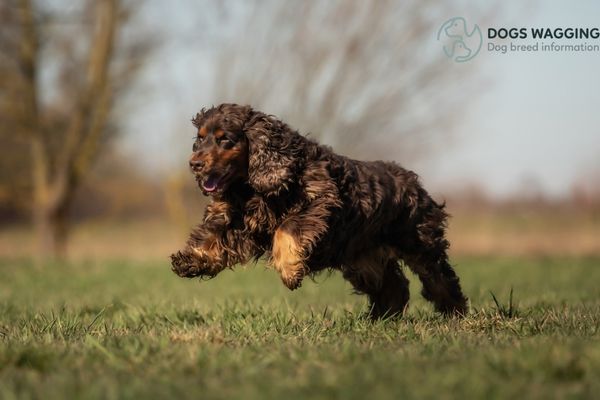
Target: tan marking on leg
{"points": [[287, 260], [199, 251], [208, 250]]}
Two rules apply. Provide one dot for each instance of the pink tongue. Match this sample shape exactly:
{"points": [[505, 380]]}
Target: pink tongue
{"points": [[211, 184]]}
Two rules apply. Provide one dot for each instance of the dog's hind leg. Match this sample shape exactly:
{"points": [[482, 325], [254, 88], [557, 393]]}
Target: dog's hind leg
{"points": [[392, 298], [382, 280], [427, 257], [440, 284]]}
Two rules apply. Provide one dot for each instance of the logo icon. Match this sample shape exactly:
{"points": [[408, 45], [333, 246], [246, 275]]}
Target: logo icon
{"points": [[459, 44]]}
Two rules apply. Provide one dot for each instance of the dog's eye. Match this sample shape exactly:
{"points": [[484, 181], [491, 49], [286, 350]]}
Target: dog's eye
{"points": [[226, 143]]}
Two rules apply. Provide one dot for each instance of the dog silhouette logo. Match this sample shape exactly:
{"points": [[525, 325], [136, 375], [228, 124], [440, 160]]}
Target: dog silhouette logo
{"points": [[459, 44]]}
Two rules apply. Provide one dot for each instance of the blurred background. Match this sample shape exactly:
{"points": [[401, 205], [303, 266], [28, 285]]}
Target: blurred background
{"points": [[96, 99]]}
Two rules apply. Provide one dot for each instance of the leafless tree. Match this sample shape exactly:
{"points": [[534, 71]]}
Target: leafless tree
{"points": [[365, 76], [62, 75]]}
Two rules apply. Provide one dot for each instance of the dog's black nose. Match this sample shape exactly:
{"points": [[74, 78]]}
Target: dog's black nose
{"points": [[196, 164]]}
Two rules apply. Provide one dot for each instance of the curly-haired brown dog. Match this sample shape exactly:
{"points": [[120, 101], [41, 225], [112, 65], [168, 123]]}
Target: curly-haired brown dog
{"points": [[277, 192]]}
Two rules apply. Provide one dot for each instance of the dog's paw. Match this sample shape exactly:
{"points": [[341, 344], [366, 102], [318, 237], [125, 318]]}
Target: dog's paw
{"points": [[186, 266], [293, 279]]}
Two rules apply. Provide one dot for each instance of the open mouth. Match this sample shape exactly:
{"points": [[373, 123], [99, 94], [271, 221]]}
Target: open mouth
{"points": [[214, 183]]}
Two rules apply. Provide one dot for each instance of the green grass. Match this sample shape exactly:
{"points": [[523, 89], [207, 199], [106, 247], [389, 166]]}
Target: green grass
{"points": [[135, 330]]}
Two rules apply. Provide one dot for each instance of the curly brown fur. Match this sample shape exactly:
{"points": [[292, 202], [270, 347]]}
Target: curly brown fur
{"points": [[279, 193]]}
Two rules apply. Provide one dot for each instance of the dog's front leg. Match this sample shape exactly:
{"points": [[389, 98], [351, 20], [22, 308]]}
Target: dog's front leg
{"points": [[203, 255], [294, 241], [211, 249], [288, 257]]}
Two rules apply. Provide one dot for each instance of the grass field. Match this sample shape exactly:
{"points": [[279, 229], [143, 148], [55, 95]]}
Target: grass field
{"points": [[135, 330]]}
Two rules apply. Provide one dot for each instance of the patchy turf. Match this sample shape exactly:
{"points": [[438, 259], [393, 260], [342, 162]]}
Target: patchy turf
{"points": [[135, 330]]}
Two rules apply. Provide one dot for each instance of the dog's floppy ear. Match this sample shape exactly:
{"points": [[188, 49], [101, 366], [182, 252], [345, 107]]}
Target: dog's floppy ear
{"points": [[275, 153]]}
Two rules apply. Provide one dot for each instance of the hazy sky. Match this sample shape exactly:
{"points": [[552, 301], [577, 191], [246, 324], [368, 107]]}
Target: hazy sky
{"points": [[539, 120], [534, 124]]}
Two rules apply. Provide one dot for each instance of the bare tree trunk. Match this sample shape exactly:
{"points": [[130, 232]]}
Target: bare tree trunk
{"points": [[41, 202], [51, 224], [56, 176], [44, 204], [43, 233], [60, 229], [63, 138], [51, 228], [28, 63]]}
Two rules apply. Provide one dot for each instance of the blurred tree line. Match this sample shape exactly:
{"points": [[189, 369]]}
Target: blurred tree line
{"points": [[366, 77], [62, 75], [363, 76]]}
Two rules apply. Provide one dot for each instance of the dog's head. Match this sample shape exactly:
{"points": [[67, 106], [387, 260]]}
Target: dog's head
{"points": [[236, 143]]}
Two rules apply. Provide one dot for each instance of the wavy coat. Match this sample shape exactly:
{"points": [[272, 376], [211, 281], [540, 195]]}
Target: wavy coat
{"points": [[308, 209]]}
